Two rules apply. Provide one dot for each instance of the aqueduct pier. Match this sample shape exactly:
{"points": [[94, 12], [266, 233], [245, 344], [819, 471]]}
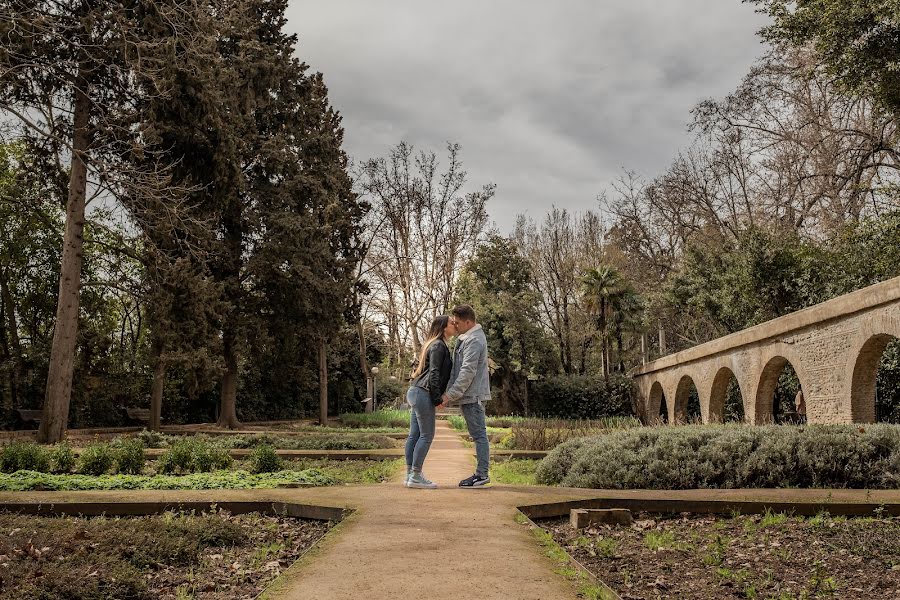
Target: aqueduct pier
{"points": [[834, 347]]}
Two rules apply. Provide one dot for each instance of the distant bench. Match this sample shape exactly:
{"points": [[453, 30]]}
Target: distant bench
{"points": [[137, 416], [29, 417]]}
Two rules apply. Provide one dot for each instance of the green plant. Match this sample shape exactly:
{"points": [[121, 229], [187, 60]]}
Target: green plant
{"points": [[263, 459], [24, 456], [179, 458], [515, 472], [581, 396], [192, 455], [659, 540], [62, 458], [770, 519], [152, 439], [378, 418], [96, 459], [457, 422], [606, 547], [130, 456], [729, 456]]}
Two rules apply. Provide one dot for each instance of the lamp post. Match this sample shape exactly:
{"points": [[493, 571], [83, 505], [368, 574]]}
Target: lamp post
{"points": [[374, 387]]}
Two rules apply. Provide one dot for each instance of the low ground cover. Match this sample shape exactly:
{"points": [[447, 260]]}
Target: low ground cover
{"points": [[248, 474], [311, 441], [173, 556], [759, 556], [515, 472], [730, 456], [385, 418]]}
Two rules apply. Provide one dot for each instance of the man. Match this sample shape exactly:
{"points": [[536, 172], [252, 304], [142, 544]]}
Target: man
{"points": [[470, 386]]}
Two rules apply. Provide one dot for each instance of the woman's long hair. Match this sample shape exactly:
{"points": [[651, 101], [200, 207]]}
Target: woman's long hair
{"points": [[435, 332]]}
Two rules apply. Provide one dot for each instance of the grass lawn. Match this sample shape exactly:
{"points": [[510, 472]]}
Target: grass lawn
{"points": [[515, 472], [173, 555]]}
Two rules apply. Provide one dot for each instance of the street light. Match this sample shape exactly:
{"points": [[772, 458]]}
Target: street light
{"points": [[374, 387]]}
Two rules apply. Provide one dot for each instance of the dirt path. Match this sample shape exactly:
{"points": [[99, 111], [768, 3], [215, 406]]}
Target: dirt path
{"points": [[445, 543]]}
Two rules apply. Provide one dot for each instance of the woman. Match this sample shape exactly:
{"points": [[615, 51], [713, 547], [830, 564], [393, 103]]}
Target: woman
{"points": [[429, 382]]}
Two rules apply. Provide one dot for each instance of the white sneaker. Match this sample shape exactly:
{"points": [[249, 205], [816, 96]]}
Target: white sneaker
{"points": [[417, 480]]}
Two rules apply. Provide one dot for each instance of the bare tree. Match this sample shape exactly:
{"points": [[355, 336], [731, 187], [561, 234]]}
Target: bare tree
{"points": [[559, 250], [423, 226]]}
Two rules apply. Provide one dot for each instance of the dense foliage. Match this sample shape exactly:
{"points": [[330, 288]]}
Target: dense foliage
{"points": [[581, 397], [730, 456]]}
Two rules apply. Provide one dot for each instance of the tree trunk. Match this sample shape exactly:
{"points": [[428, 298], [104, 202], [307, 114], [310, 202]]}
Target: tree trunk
{"points": [[10, 343], [62, 353], [228, 402], [604, 355], [620, 344], [323, 383], [158, 387], [363, 359]]}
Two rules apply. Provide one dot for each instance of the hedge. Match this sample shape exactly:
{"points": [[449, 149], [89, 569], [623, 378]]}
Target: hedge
{"points": [[581, 397], [730, 456]]}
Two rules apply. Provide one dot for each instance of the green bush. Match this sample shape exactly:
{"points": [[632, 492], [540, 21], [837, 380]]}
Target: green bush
{"points": [[208, 459], [730, 456], [581, 397], [263, 459], [152, 439], [130, 456], [179, 458], [62, 458], [96, 459], [24, 456], [192, 455]]}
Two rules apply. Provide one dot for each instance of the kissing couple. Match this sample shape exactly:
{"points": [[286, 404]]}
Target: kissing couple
{"points": [[440, 381]]}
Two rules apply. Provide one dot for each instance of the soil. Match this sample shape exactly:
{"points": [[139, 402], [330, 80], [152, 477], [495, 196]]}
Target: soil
{"points": [[203, 556], [768, 556]]}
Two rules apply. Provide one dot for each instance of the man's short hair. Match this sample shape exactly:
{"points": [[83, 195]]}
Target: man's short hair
{"points": [[464, 312]]}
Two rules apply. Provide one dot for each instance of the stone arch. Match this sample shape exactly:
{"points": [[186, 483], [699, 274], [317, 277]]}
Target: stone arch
{"points": [[718, 393], [682, 394], [768, 382], [863, 378], [655, 401]]}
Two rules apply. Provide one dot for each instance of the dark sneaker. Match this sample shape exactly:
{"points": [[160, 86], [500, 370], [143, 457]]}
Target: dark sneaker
{"points": [[475, 480]]}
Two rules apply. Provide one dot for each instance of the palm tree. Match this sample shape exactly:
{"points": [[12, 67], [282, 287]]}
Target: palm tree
{"points": [[599, 287], [627, 308]]}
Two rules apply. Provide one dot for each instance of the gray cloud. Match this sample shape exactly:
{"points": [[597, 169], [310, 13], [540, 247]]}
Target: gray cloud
{"points": [[549, 100]]}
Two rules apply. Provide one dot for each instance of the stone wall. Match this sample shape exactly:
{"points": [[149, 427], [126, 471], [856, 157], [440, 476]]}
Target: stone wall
{"points": [[834, 348]]}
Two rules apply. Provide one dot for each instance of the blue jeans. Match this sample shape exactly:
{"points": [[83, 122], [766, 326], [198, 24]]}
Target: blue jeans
{"points": [[474, 416], [421, 427]]}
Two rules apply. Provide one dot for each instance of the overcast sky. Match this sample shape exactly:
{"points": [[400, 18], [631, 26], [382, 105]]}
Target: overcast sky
{"points": [[549, 100]]}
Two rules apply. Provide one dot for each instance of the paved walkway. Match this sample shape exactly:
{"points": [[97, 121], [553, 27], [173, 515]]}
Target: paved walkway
{"points": [[444, 543]]}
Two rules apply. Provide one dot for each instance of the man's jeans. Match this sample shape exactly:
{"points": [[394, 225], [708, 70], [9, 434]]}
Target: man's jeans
{"points": [[474, 415], [421, 427]]}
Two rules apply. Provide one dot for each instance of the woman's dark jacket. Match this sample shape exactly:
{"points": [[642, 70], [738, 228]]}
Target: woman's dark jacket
{"points": [[436, 372]]}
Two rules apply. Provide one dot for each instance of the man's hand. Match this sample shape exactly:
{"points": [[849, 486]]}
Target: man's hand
{"points": [[445, 401]]}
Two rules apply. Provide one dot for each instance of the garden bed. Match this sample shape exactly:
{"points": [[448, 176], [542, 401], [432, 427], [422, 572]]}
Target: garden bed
{"points": [[756, 556], [301, 473], [173, 555]]}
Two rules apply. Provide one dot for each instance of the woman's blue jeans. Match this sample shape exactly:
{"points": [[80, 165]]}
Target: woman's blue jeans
{"points": [[421, 427]]}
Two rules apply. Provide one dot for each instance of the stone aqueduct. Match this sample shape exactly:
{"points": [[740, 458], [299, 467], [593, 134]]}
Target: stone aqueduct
{"points": [[834, 347]]}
